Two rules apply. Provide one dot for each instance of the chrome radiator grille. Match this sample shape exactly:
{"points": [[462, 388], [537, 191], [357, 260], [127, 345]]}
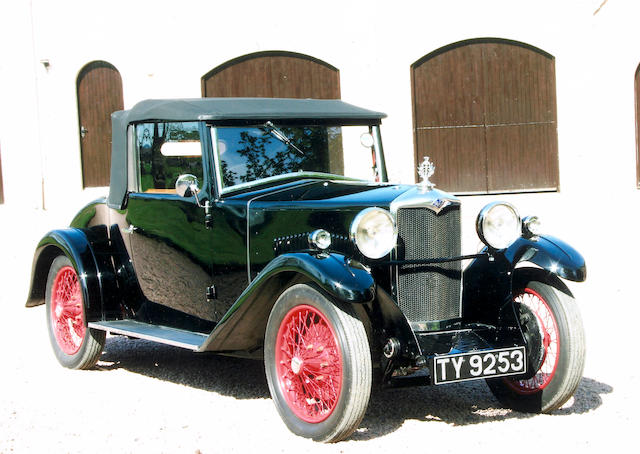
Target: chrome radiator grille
{"points": [[429, 292]]}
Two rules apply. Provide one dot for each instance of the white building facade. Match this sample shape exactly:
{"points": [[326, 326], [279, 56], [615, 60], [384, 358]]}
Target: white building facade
{"points": [[163, 49]]}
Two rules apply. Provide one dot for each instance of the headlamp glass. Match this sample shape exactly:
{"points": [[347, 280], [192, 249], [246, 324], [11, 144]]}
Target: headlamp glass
{"points": [[374, 232], [498, 225]]}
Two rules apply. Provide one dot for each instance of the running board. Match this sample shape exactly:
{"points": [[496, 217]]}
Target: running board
{"points": [[161, 334]]}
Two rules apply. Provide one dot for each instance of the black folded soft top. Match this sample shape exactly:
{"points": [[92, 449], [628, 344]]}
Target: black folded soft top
{"points": [[221, 111]]}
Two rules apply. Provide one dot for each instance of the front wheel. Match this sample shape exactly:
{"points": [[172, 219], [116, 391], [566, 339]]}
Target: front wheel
{"points": [[318, 364], [551, 321], [75, 345]]}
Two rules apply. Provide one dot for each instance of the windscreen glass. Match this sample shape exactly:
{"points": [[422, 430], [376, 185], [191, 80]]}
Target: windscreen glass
{"points": [[248, 154]]}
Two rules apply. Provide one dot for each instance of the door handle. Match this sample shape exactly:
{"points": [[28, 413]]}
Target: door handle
{"points": [[83, 131]]}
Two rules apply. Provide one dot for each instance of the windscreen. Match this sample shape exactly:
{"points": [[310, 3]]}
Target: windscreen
{"points": [[248, 154]]}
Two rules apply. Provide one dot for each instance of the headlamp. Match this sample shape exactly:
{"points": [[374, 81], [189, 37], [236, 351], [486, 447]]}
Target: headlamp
{"points": [[374, 232], [498, 225]]}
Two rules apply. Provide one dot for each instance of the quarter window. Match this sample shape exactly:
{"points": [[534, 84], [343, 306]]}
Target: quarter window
{"points": [[166, 151]]}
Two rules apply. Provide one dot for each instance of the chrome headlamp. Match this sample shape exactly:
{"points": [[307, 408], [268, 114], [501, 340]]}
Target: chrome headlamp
{"points": [[498, 225], [374, 232]]}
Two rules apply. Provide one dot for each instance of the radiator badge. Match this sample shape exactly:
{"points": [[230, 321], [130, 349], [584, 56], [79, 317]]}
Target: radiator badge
{"points": [[426, 171], [439, 204]]}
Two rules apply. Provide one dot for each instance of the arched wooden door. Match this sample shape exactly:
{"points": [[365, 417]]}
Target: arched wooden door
{"points": [[273, 74], [99, 88], [484, 111]]}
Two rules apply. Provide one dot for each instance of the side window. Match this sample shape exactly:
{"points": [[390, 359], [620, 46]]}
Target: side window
{"points": [[166, 151]]}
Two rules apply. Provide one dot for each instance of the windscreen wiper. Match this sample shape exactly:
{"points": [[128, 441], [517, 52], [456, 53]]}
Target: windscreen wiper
{"points": [[281, 136]]}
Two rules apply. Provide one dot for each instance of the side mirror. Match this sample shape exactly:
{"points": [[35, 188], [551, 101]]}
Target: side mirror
{"points": [[187, 185]]}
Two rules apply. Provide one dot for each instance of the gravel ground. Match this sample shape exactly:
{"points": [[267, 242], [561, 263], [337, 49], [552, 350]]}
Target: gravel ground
{"points": [[145, 397]]}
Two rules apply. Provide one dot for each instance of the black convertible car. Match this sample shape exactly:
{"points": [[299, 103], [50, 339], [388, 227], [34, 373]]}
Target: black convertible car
{"points": [[266, 228]]}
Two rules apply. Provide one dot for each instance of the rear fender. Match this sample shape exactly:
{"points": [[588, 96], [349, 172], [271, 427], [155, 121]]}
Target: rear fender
{"points": [[243, 326], [94, 270]]}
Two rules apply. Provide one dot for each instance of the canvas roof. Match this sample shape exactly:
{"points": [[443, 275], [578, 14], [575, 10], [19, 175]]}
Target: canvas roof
{"points": [[221, 110]]}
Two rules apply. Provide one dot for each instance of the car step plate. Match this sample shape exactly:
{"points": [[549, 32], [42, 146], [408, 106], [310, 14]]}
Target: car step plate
{"points": [[479, 364], [162, 334]]}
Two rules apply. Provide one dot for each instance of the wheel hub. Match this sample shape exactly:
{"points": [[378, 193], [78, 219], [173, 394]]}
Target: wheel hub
{"points": [[296, 365], [541, 330]]}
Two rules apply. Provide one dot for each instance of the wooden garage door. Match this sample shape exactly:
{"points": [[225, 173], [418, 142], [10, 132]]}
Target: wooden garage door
{"points": [[273, 74], [99, 88], [484, 111]]}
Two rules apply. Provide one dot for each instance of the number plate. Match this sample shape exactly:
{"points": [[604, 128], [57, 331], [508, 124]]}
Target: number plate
{"points": [[484, 364]]}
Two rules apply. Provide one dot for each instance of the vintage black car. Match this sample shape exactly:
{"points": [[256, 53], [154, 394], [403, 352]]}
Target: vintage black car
{"points": [[266, 228]]}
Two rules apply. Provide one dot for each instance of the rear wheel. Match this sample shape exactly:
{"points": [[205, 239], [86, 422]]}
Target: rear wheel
{"points": [[75, 345], [553, 326], [318, 364]]}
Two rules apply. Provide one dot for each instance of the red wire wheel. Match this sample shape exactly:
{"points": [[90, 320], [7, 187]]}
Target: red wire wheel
{"points": [[67, 315], [550, 343], [308, 364], [317, 363], [551, 322]]}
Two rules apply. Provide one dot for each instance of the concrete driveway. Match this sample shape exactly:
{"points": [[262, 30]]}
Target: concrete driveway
{"points": [[145, 397]]}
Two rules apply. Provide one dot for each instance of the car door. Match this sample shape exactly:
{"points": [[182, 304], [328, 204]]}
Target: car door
{"points": [[171, 245]]}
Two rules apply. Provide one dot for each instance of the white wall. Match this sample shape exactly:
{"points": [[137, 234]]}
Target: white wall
{"points": [[162, 49], [19, 117]]}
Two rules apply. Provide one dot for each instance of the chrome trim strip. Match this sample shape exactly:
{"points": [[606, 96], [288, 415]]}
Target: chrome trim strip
{"points": [[380, 161], [449, 331], [286, 176], [213, 132]]}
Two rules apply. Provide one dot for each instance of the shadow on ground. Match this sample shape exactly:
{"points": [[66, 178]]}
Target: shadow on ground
{"points": [[456, 404]]}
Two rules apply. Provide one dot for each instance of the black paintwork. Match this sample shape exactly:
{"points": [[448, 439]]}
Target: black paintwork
{"points": [[157, 259]]}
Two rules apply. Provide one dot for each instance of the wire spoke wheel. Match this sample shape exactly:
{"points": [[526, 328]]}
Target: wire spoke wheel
{"points": [[309, 364], [318, 364], [548, 328], [552, 328], [67, 315], [75, 345]]}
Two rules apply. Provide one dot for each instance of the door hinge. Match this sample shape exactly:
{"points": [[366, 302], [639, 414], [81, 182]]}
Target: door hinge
{"points": [[208, 217], [212, 294]]}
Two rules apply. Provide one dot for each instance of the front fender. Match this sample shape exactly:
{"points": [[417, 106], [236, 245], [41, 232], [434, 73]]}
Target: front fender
{"points": [[551, 254], [342, 278], [242, 327], [488, 279]]}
